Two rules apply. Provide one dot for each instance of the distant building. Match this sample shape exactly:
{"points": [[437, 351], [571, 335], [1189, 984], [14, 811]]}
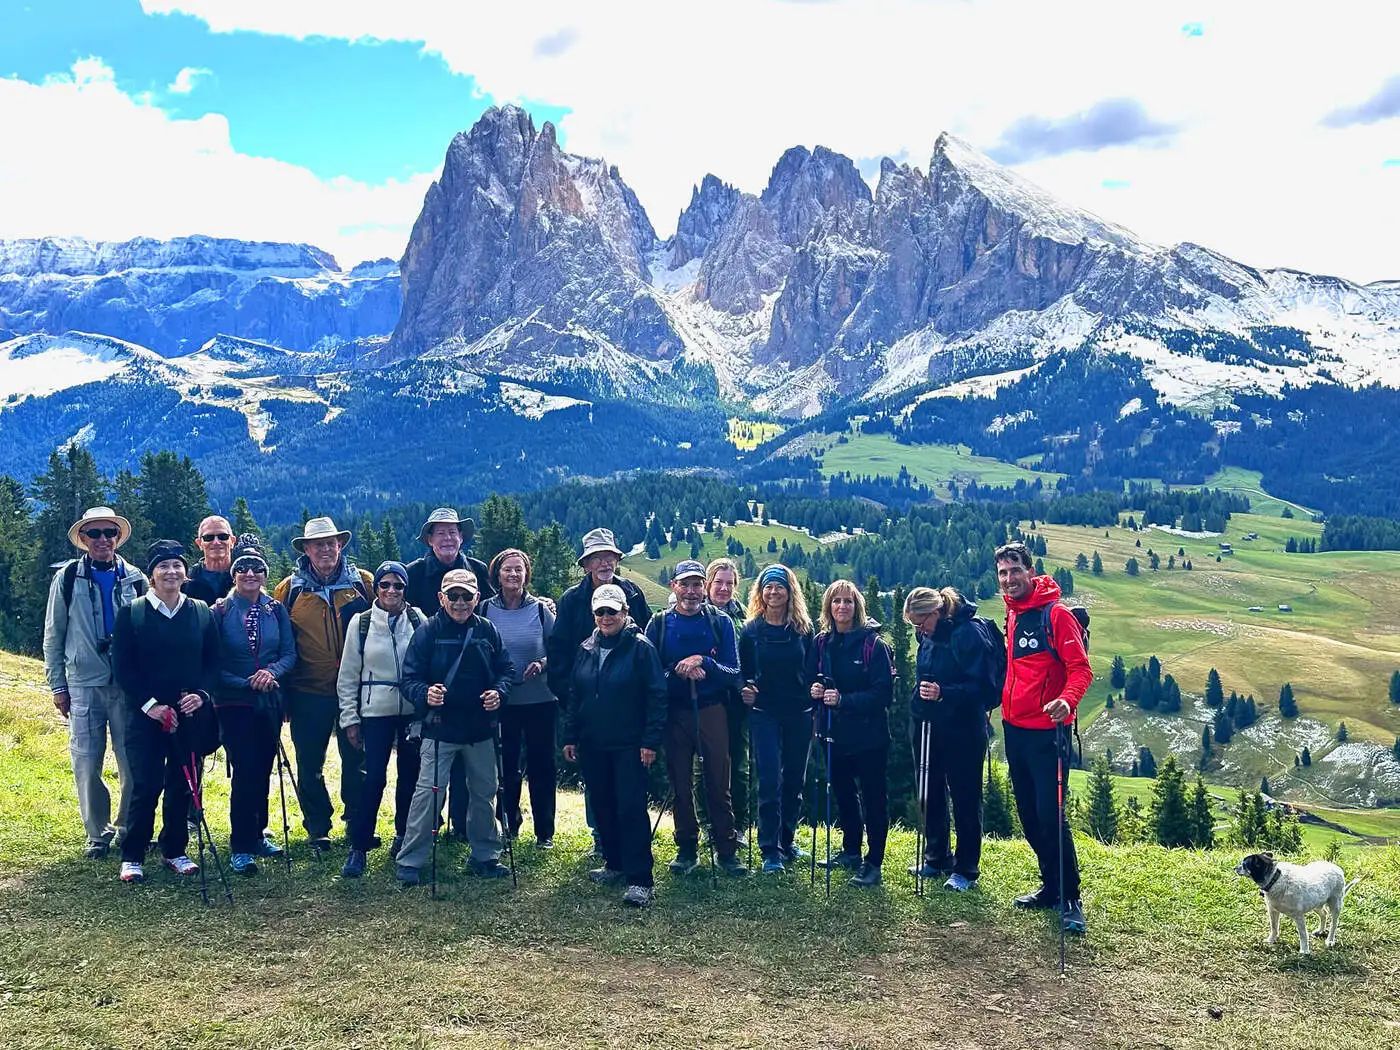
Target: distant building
{"points": [[1285, 608]]}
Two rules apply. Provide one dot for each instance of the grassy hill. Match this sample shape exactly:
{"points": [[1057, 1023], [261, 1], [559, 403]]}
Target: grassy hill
{"points": [[1175, 954], [1338, 647]]}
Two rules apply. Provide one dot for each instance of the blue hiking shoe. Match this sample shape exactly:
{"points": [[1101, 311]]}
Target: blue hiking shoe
{"points": [[243, 864], [269, 847], [958, 883], [354, 864], [773, 865]]}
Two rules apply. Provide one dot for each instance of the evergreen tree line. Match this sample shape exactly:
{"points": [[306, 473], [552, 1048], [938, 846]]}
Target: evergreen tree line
{"points": [[1358, 532]]}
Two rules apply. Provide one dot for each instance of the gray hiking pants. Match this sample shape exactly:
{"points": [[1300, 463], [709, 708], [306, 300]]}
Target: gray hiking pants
{"points": [[483, 832], [96, 710]]}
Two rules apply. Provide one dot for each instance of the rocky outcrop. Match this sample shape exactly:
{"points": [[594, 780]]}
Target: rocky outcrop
{"points": [[711, 205]]}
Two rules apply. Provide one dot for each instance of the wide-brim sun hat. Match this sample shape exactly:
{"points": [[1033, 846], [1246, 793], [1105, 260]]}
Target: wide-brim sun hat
{"points": [[447, 516], [319, 529], [599, 541], [77, 539]]}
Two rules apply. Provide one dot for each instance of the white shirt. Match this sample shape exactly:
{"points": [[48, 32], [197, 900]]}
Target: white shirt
{"points": [[159, 606]]}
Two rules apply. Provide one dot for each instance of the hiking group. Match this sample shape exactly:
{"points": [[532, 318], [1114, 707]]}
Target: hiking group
{"points": [[455, 670]]}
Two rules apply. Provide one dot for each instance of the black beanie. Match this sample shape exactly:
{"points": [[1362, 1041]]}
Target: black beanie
{"points": [[163, 550]]}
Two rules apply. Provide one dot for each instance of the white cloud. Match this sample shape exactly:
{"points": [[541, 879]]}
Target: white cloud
{"points": [[99, 163], [185, 80]]}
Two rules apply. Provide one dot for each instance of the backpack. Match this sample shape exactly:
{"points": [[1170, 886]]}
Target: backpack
{"points": [[1081, 616], [995, 644], [867, 650], [414, 620], [202, 613], [712, 620], [70, 580], [295, 591]]}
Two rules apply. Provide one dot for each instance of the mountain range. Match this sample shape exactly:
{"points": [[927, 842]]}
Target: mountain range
{"points": [[537, 272]]}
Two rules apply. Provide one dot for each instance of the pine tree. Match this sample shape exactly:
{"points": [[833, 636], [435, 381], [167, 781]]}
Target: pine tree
{"points": [[1264, 788], [653, 549], [126, 501], [1287, 706], [1131, 567], [552, 566], [1395, 687], [70, 486], [901, 641], [1396, 749], [1206, 750], [243, 520], [1224, 727], [173, 495], [1081, 563], [1096, 566], [1132, 822], [389, 543], [1307, 756], [1170, 819], [501, 524], [1248, 825], [1102, 811], [998, 817], [1171, 695], [368, 550], [1147, 764], [21, 610], [1215, 692], [1154, 669], [1202, 817], [874, 604], [1342, 733]]}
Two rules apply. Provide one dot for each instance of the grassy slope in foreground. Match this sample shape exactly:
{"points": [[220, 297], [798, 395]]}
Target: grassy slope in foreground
{"points": [[1337, 647], [316, 961]]}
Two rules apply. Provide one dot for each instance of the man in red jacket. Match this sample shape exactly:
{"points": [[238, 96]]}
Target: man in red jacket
{"points": [[1047, 673]]}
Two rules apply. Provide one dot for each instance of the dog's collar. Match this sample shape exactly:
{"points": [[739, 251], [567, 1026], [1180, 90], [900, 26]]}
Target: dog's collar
{"points": [[1278, 874]]}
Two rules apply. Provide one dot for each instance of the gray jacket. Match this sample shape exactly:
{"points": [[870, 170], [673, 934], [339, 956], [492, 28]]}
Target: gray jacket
{"points": [[76, 652], [368, 685]]}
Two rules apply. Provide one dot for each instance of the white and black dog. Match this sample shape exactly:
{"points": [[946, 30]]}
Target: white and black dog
{"points": [[1296, 889]]}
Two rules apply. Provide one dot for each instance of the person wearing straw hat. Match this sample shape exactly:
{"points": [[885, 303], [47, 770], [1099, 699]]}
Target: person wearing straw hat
{"points": [[322, 595], [78, 622], [445, 533], [166, 654]]}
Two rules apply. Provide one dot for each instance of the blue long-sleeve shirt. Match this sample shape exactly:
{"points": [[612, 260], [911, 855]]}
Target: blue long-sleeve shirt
{"points": [[710, 635]]}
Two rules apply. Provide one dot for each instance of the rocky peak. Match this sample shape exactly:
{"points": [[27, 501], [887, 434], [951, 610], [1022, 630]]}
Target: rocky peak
{"points": [[711, 205], [805, 185]]}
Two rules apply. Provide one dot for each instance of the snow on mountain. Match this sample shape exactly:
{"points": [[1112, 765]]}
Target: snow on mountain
{"points": [[534, 404], [39, 365]]}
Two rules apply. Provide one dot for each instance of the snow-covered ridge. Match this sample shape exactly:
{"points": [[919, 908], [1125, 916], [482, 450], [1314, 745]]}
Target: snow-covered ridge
{"points": [[75, 256]]}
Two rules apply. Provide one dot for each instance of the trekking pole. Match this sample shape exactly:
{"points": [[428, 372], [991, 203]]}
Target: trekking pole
{"points": [[437, 817], [501, 802], [705, 780], [751, 801], [812, 798], [921, 833], [828, 804], [282, 792], [1060, 738], [661, 813], [203, 830]]}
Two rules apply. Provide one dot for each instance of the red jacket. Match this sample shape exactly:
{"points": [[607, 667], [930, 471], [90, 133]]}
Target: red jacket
{"points": [[1045, 657]]}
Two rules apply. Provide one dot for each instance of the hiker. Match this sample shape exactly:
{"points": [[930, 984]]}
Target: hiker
{"points": [[721, 578], [445, 534], [852, 676], [957, 684], [773, 663], [375, 714], [574, 622], [82, 610], [700, 658], [1047, 672], [257, 650], [212, 576], [457, 673], [614, 717], [322, 594], [165, 649], [529, 714]]}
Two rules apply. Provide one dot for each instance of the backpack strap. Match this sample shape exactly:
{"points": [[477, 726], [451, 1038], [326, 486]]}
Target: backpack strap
{"points": [[70, 579]]}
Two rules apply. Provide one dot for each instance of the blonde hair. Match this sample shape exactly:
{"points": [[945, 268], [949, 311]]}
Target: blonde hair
{"points": [[842, 587], [797, 616], [713, 569], [924, 601]]}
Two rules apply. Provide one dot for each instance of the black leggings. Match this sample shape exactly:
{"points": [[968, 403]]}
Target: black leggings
{"points": [[533, 726], [865, 808]]}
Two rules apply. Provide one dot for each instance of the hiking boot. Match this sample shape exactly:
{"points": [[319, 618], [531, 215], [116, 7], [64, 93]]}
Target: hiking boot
{"points": [[395, 846], [1039, 900], [685, 862], [489, 869], [868, 876], [792, 853], [182, 865], [354, 864], [638, 896], [927, 870], [773, 865], [958, 883], [848, 861], [407, 876], [1073, 917], [545, 843], [604, 876], [131, 872], [96, 850], [243, 864], [321, 844], [269, 847], [731, 865]]}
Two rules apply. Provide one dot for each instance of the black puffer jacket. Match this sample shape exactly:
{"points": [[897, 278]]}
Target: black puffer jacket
{"points": [[485, 664], [573, 622], [861, 721], [617, 703], [775, 660], [955, 657]]}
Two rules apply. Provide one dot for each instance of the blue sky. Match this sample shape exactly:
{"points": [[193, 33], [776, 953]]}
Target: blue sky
{"points": [[371, 110], [1269, 138]]}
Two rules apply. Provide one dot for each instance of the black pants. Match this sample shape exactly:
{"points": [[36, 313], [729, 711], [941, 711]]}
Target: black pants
{"points": [[158, 760], [1031, 754], [249, 736], [533, 726], [380, 736], [314, 720], [865, 808], [956, 754], [617, 781]]}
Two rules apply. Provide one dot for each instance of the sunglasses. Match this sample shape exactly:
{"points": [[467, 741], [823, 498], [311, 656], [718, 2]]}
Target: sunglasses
{"points": [[210, 537], [253, 567], [102, 534], [460, 597], [606, 612], [393, 585]]}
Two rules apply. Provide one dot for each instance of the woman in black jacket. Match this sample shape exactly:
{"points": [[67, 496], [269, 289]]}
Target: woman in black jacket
{"points": [[852, 677], [614, 717], [948, 725]]}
